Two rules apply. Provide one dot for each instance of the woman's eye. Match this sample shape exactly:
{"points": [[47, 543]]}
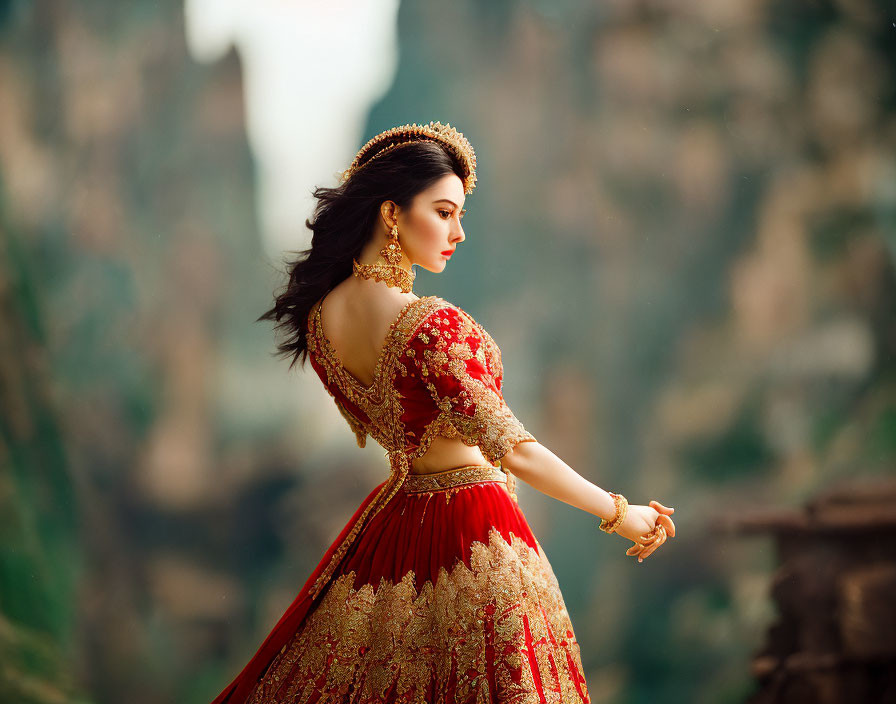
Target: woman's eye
{"points": [[445, 212]]}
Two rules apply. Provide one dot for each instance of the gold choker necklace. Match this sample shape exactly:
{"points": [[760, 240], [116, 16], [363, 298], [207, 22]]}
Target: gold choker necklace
{"points": [[392, 274]]}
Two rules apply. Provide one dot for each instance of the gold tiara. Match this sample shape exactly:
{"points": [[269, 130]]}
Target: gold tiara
{"points": [[455, 141]]}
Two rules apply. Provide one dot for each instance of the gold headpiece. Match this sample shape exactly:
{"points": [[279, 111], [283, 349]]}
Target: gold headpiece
{"points": [[405, 134]]}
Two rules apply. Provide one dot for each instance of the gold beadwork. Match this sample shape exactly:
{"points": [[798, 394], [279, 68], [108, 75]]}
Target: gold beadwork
{"points": [[621, 504], [390, 272], [400, 468], [495, 627], [379, 403], [492, 426], [477, 410], [447, 135], [449, 478]]}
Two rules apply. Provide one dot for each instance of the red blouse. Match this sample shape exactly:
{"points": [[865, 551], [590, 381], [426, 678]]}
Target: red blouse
{"points": [[439, 373]]}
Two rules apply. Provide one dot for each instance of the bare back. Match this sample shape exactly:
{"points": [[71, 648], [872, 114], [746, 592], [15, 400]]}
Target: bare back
{"points": [[356, 317]]}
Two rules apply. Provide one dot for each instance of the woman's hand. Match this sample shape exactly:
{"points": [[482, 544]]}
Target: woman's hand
{"points": [[641, 520]]}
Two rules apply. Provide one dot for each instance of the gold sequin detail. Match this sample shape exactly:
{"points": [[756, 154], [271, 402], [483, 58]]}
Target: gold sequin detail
{"points": [[497, 630], [438, 481], [493, 427], [379, 400], [477, 411], [396, 137], [484, 419]]}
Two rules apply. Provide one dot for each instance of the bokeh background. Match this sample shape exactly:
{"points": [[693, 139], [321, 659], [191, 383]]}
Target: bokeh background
{"points": [[682, 238]]}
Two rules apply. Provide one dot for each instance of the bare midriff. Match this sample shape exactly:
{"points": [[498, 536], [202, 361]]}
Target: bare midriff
{"points": [[447, 453]]}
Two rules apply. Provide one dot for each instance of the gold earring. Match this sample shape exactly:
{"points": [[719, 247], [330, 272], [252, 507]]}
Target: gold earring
{"points": [[392, 251], [390, 272]]}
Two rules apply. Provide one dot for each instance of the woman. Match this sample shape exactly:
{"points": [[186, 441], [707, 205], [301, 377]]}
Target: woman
{"points": [[436, 590]]}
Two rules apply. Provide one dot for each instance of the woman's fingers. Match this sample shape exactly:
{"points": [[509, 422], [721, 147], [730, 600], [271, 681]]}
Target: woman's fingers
{"points": [[637, 549], [657, 506], [652, 547], [667, 523], [663, 528], [648, 545]]}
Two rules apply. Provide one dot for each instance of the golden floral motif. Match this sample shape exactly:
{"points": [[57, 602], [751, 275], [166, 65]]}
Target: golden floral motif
{"points": [[478, 413], [378, 400], [396, 137], [457, 478], [477, 409], [356, 425], [430, 319], [496, 630]]}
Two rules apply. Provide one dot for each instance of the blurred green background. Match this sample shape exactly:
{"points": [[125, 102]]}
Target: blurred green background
{"points": [[682, 238]]}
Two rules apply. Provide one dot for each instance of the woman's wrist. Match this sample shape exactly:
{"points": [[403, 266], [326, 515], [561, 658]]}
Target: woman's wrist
{"points": [[607, 509], [611, 525]]}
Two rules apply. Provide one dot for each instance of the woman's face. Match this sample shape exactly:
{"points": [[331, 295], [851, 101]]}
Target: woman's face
{"points": [[429, 230]]}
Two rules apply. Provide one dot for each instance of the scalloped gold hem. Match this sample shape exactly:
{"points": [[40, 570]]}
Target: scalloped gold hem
{"points": [[497, 630]]}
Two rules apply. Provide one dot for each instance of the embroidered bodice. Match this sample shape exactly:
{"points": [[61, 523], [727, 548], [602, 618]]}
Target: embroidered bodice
{"points": [[439, 373]]}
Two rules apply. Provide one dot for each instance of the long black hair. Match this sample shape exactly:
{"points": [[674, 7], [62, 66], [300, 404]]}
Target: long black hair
{"points": [[343, 222]]}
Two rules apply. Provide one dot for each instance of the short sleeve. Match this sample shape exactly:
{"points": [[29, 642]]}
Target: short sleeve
{"points": [[460, 365]]}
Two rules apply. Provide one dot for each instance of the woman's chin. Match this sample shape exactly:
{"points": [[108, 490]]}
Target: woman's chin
{"points": [[436, 267]]}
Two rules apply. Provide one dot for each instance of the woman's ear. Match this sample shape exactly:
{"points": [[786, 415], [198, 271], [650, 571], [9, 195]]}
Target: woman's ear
{"points": [[389, 212]]}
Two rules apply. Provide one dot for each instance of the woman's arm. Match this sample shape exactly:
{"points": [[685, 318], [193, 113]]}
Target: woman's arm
{"points": [[445, 360], [539, 467], [542, 469]]}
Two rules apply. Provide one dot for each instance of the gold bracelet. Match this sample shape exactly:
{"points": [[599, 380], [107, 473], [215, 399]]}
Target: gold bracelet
{"points": [[621, 503]]}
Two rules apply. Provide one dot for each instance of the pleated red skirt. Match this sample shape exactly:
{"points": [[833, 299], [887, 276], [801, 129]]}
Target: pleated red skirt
{"points": [[444, 597]]}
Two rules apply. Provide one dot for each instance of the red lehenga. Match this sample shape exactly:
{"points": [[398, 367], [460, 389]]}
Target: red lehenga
{"points": [[436, 590]]}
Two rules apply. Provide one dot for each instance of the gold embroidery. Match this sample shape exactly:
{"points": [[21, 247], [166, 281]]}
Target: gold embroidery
{"points": [[378, 401], [492, 426], [511, 487], [381, 403], [399, 468], [434, 481], [496, 630], [356, 425]]}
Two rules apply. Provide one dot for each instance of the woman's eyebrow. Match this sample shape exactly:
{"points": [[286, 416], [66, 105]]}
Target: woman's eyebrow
{"points": [[440, 200]]}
